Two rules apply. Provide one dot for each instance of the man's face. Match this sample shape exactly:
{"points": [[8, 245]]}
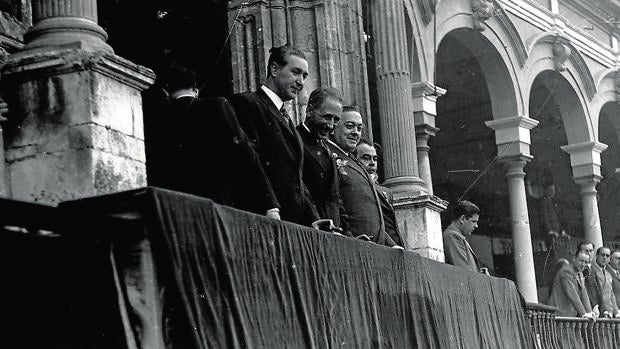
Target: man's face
{"points": [[289, 79], [580, 261], [602, 257], [588, 250], [468, 225], [615, 260], [348, 131], [322, 119], [367, 155]]}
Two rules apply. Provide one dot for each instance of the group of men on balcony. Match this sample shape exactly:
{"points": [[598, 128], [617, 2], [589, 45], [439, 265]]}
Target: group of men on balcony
{"points": [[246, 152], [588, 286]]}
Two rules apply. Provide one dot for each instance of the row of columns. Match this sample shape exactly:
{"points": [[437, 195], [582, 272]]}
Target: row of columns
{"points": [[407, 109], [65, 50]]}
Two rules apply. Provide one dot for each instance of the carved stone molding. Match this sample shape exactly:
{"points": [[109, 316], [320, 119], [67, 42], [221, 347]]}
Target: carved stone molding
{"points": [[482, 10], [561, 52]]}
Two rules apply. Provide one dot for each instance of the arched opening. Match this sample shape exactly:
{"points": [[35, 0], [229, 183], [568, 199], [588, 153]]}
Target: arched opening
{"points": [[463, 154], [552, 195], [609, 187]]}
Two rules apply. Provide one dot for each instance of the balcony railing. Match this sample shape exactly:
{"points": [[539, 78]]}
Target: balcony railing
{"points": [[569, 332]]}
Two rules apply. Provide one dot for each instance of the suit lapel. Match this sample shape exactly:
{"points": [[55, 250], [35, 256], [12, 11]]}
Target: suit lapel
{"points": [[313, 147], [275, 114]]}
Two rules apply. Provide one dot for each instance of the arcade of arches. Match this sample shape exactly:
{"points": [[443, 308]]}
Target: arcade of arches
{"points": [[513, 106]]}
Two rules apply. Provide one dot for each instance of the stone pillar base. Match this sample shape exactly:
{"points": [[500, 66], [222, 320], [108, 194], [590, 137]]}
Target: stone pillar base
{"points": [[75, 128], [419, 221]]}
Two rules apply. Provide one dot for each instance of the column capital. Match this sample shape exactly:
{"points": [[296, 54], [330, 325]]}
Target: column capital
{"points": [[426, 89], [515, 164], [585, 159], [24, 66], [512, 135], [424, 97]]}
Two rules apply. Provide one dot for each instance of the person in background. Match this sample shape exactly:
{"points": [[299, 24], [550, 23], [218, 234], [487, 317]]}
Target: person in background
{"points": [[196, 147], [457, 249], [599, 285], [614, 270], [569, 293], [265, 120], [588, 248], [367, 155]]}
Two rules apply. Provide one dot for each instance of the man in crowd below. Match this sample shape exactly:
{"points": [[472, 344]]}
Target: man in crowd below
{"points": [[320, 176], [359, 197], [457, 250], [265, 120], [569, 293], [599, 285], [588, 248], [367, 155], [614, 270], [198, 129]]}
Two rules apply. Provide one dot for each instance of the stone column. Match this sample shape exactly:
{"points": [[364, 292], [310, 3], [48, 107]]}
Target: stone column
{"points": [[424, 112], [417, 212], [75, 127], [585, 159], [520, 222], [329, 32], [394, 96], [512, 136], [69, 23]]}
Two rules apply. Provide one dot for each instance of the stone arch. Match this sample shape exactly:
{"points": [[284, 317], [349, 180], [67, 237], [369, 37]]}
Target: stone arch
{"points": [[577, 84], [502, 66], [609, 201], [607, 82]]}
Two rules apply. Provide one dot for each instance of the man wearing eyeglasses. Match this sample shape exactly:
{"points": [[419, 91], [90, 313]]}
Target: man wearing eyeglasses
{"points": [[599, 285], [359, 196]]}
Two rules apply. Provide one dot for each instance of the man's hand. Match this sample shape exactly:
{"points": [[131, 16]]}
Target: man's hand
{"points": [[589, 315], [273, 214], [363, 237], [617, 315], [595, 311]]}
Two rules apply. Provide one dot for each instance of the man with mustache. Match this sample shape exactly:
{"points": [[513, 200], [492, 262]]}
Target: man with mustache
{"points": [[322, 115], [266, 122], [357, 190]]}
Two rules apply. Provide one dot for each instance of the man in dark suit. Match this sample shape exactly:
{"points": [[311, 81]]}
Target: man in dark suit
{"points": [[320, 176], [359, 196], [614, 270], [201, 149], [456, 248], [599, 284], [569, 293], [272, 133], [367, 155]]}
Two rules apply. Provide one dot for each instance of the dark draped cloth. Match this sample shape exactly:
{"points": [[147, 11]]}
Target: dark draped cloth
{"points": [[239, 280]]}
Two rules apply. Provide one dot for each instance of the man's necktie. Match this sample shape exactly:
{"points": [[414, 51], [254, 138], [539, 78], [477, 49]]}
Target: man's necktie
{"points": [[287, 119]]}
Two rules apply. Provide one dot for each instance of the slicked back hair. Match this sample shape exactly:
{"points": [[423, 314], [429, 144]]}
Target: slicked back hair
{"points": [[349, 108], [178, 77], [318, 96], [465, 208], [280, 54]]}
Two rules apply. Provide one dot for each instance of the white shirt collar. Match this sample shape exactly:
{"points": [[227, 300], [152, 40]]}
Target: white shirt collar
{"points": [[185, 95], [273, 96]]}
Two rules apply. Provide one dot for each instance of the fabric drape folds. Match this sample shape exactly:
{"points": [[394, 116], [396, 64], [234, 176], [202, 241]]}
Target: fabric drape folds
{"points": [[239, 280]]}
